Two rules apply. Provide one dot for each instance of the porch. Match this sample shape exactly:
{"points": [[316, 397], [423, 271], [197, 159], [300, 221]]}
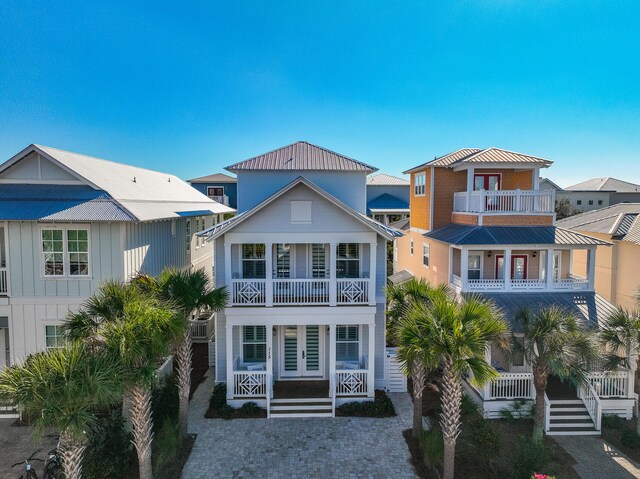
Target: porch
{"points": [[504, 201]]}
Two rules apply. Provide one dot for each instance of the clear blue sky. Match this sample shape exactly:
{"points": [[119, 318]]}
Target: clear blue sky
{"points": [[190, 89]]}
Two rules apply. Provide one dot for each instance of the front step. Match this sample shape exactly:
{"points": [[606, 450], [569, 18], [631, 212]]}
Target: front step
{"points": [[301, 407], [569, 417]]}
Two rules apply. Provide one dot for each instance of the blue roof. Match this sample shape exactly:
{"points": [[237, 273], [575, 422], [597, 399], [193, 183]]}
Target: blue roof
{"points": [[20, 202], [194, 213], [387, 202]]}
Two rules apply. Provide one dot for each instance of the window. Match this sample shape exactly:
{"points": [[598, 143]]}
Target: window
{"points": [[173, 228], [53, 337], [283, 261], [590, 202], [474, 266], [348, 260], [487, 182], [199, 225], [187, 233], [578, 202], [347, 343], [318, 261], [419, 182], [556, 265], [254, 344], [411, 246], [517, 358], [65, 252], [425, 254], [215, 191], [253, 261], [600, 202], [301, 212]]}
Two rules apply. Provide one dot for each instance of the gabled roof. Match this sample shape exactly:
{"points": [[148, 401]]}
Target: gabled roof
{"points": [[553, 185], [621, 221], [301, 156], [143, 194], [511, 235], [402, 225], [605, 184], [387, 202], [486, 156], [224, 227], [382, 179], [401, 276], [215, 178]]}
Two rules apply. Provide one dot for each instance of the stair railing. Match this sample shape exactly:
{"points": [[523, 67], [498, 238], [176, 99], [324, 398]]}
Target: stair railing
{"points": [[547, 413], [592, 402], [269, 393]]}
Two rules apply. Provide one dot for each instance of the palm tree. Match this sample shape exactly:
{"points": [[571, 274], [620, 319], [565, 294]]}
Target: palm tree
{"points": [[453, 335], [191, 294], [555, 344], [139, 330], [620, 336], [63, 388], [399, 298]]}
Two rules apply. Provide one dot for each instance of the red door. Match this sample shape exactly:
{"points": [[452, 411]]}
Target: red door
{"points": [[518, 266], [482, 181]]}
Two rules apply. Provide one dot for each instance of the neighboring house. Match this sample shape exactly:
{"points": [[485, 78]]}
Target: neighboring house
{"points": [[598, 193], [68, 222], [219, 187], [480, 224], [306, 272], [617, 278], [581, 200], [387, 198]]}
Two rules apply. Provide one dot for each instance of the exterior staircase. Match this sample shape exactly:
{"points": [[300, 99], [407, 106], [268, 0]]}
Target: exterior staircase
{"points": [[569, 417], [301, 407]]}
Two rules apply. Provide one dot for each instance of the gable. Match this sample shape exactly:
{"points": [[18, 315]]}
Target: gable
{"points": [[34, 168]]}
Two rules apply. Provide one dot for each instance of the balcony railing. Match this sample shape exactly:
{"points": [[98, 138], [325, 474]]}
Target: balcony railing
{"points": [[351, 382], [572, 283], [511, 386], [504, 201], [4, 286], [222, 199], [300, 291]]}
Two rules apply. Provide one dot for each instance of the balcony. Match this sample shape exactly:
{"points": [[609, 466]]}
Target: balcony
{"points": [[4, 286], [222, 199], [572, 283], [504, 201]]}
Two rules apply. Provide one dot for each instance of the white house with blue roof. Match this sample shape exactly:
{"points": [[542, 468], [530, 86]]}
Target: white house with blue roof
{"points": [[388, 198], [68, 222], [306, 270]]}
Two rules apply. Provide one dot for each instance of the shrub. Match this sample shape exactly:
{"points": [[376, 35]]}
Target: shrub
{"points": [[166, 446], [109, 452], [468, 407], [165, 401], [613, 421], [218, 396], [630, 439], [250, 409], [381, 406], [527, 457], [518, 410], [432, 447]]}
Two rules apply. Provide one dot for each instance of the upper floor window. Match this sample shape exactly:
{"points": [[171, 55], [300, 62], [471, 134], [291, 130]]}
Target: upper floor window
{"points": [[579, 202], [187, 234], [425, 254], [348, 260], [411, 246], [253, 261], [65, 252], [590, 202], [53, 336], [215, 191], [419, 182], [283, 260], [484, 181], [318, 261], [600, 202]]}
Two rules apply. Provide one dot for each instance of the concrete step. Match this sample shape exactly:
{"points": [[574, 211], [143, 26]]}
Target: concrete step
{"points": [[570, 416], [565, 402], [276, 414], [572, 424], [569, 431], [306, 407], [301, 400]]}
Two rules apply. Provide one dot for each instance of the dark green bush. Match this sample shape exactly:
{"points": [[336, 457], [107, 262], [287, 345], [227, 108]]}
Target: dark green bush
{"points": [[527, 457], [249, 409], [218, 396], [381, 406], [432, 447], [630, 439], [166, 447], [468, 407], [109, 452], [165, 401], [613, 421]]}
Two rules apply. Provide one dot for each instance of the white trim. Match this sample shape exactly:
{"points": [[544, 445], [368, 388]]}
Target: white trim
{"points": [[497, 166], [423, 174], [431, 197], [428, 246], [65, 250]]}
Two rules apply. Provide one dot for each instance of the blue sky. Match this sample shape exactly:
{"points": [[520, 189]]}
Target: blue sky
{"points": [[191, 88]]}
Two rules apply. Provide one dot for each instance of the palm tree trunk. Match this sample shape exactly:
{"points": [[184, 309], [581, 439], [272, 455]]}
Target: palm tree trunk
{"points": [[540, 383], [142, 428], [450, 422], [418, 376], [71, 453], [184, 358]]}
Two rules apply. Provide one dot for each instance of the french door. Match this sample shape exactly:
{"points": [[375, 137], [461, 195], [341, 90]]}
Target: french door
{"points": [[518, 266], [302, 348], [486, 182]]}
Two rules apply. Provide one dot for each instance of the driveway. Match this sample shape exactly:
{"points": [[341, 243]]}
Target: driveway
{"points": [[298, 447], [597, 458], [17, 444]]}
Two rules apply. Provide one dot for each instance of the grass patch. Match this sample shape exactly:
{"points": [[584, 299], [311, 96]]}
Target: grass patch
{"points": [[621, 433], [219, 409], [381, 406]]}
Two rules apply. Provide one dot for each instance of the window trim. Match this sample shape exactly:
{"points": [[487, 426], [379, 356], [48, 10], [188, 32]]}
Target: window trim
{"points": [[428, 255], [66, 264], [216, 187], [267, 268], [357, 259], [56, 324], [358, 341], [420, 189], [481, 266], [243, 341]]}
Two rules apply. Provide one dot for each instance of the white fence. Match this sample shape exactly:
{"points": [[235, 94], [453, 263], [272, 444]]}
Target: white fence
{"points": [[504, 201], [248, 291], [592, 403], [396, 380], [300, 291], [521, 284], [353, 291], [250, 384], [351, 382], [166, 368], [511, 386], [610, 384]]}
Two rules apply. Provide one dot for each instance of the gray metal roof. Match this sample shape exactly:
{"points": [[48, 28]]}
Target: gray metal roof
{"points": [[510, 235], [621, 221], [215, 178], [402, 225], [589, 308], [382, 179], [401, 276], [301, 156], [447, 159], [605, 184]]}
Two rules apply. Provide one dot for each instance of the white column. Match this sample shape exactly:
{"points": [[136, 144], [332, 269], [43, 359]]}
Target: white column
{"points": [[591, 267], [229, 346], [486, 389], [373, 247], [464, 267], [227, 266], [332, 358], [535, 186], [633, 364], [507, 268], [470, 185], [269, 333], [518, 205], [372, 361], [450, 264], [268, 286], [333, 286], [549, 269]]}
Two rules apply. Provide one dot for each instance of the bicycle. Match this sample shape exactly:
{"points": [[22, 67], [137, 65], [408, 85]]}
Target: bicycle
{"points": [[52, 466], [28, 468]]}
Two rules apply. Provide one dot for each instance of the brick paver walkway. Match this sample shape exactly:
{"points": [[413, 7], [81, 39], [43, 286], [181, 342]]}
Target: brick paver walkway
{"points": [[293, 448], [597, 458], [16, 444]]}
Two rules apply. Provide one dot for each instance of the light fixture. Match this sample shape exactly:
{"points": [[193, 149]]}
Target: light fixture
{"points": [[535, 253], [489, 254]]}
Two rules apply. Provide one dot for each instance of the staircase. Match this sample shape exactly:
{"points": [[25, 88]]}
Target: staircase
{"points": [[301, 407], [569, 417]]}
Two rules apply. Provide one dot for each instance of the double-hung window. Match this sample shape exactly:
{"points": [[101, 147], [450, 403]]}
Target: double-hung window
{"points": [[419, 184], [347, 343], [283, 260], [187, 235], [348, 260], [253, 261], [53, 336], [254, 344], [318, 261], [53, 252], [411, 246], [65, 251], [473, 266], [425, 254]]}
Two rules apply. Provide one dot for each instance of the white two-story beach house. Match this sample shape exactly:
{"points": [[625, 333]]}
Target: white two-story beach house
{"points": [[306, 270]]}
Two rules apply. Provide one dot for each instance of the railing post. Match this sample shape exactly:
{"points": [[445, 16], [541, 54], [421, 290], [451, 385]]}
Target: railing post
{"points": [[332, 357], [229, 346], [269, 332], [549, 269], [227, 268], [507, 269], [470, 185], [372, 272], [591, 267], [268, 287], [464, 268], [371, 362], [333, 285], [518, 200]]}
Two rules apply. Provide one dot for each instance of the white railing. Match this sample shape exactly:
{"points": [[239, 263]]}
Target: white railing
{"points": [[250, 384], [547, 413], [528, 284], [201, 329], [592, 402], [485, 284], [224, 199], [166, 368], [4, 286], [512, 386], [571, 283], [610, 384], [269, 393], [521, 284], [351, 382], [248, 291], [353, 291], [456, 280], [300, 291], [505, 201]]}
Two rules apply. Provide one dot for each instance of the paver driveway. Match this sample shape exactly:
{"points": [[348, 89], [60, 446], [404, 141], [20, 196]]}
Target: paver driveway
{"points": [[17, 444], [597, 458], [295, 448]]}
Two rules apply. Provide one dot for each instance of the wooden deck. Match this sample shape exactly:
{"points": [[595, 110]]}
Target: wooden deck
{"points": [[300, 389]]}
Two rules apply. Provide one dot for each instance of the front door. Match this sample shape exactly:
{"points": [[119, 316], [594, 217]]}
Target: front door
{"points": [[486, 182], [301, 348], [518, 266]]}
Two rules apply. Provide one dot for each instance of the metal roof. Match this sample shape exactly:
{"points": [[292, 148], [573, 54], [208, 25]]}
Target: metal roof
{"points": [[402, 225], [215, 178], [621, 221], [605, 184], [550, 183], [401, 276], [19, 202], [589, 308], [387, 202], [382, 179], [144, 194], [447, 159], [301, 156], [511, 235]]}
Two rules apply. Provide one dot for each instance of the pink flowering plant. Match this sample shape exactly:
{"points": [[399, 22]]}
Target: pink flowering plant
{"points": [[538, 475]]}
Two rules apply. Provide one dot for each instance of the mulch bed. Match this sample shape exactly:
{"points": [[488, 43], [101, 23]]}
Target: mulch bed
{"points": [[234, 414], [365, 410]]}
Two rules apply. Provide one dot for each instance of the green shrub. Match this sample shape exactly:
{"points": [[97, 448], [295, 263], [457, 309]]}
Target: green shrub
{"points": [[381, 406], [630, 439], [218, 396], [166, 447], [225, 412], [109, 452], [613, 421], [468, 407], [527, 457], [432, 447], [250, 409], [165, 401], [518, 410]]}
